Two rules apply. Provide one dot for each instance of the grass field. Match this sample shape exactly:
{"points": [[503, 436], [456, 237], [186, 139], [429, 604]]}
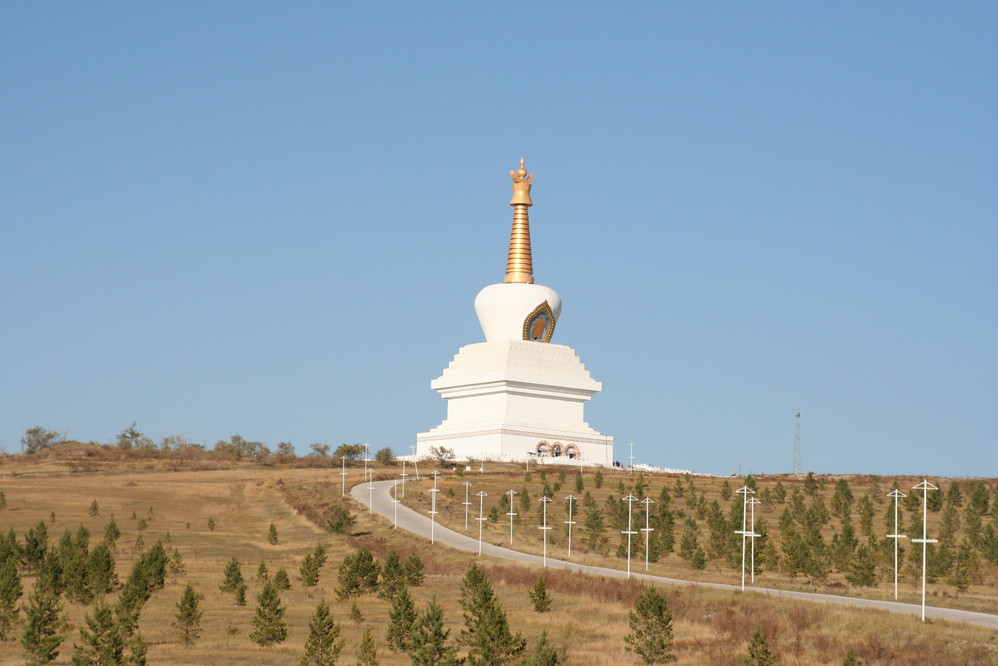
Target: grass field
{"points": [[589, 617]]}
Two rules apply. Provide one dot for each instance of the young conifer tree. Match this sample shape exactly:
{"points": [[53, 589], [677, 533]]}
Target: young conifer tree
{"points": [[486, 632], [111, 532], [309, 571], [101, 639], [100, 569], [41, 638], [281, 580], [392, 576], [429, 640], [539, 595], [10, 592], [413, 569], [233, 576], [269, 627], [137, 650], [241, 594], [322, 648], [651, 627], [368, 653], [543, 653], [401, 619], [355, 615], [36, 541], [189, 614], [759, 653]]}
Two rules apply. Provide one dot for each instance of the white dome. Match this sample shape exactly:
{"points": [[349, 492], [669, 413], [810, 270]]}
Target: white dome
{"points": [[502, 309]]}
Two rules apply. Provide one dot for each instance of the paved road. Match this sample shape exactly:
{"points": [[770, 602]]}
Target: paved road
{"points": [[419, 524]]}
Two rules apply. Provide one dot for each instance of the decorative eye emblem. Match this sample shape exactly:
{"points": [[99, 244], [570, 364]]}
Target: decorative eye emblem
{"points": [[539, 324]]}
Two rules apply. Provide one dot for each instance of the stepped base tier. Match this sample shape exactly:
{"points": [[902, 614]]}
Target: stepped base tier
{"points": [[516, 400]]}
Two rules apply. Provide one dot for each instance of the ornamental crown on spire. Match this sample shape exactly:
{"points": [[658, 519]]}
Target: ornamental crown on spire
{"points": [[521, 186]]}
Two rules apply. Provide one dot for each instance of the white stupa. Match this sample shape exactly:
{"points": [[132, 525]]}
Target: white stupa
{"points": [[517, 395]]}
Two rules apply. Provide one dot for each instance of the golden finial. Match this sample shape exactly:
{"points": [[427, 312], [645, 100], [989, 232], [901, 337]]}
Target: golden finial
{"points": [[519, 265], [521, 186]]}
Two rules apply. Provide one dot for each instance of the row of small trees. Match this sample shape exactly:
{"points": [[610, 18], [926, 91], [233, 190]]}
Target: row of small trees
{"points": [[685, 522]]}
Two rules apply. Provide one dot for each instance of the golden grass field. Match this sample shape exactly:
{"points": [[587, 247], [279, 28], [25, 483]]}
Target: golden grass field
{"points": [[589, 617]]}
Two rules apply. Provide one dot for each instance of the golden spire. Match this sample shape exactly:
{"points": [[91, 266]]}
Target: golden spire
{"points": [[519, 265]]}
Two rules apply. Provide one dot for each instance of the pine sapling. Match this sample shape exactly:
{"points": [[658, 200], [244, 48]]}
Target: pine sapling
{"points": [[188, 618], [323, 646], [539, 596], [268, 623], [368, 653]]}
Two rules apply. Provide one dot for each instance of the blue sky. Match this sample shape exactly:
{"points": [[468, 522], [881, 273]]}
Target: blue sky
{"points": [[272, 219]]}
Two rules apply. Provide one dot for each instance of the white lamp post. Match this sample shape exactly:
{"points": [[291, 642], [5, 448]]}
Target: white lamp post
{"points": [[481, 516], [545, 500], [395, 504], [433, 506], [752, 535], [744, 491], [511, 513], [467, 486], [343, 476], [925, 487], [647, 529], [630, 499], [897, 495], [370, 493], [631, 457], [570, 522]]}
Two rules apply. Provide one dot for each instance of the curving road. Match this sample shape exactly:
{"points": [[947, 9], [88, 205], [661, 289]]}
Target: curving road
{"points": [[381, 502]]}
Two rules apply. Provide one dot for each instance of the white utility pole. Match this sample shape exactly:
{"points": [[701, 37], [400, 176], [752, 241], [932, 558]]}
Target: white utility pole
{"points": [[570, 522], [403, 475], [481, 516], [545, 500], [433, 506], [797, 465], [897, 495], [395, 503], [744, 491], [367, 457], [631, 457], [647, 529], [630, 499], [370, 493], [752, 535], [511, 513], [467, 487], [343, 476], [925, 487]]}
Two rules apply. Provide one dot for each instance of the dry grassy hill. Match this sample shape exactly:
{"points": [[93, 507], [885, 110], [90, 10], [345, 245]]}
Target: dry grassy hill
{"points": [[175, 499]]}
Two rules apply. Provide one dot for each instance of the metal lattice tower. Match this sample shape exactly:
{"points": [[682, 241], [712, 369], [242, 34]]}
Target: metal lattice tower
{"points": [[797, 467]]}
